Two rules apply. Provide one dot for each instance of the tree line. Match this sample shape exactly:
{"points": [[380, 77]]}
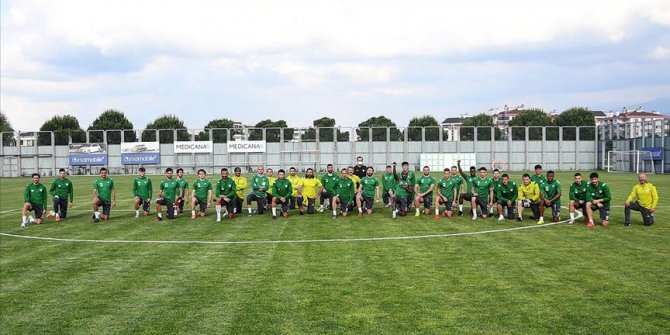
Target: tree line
{"points": [[379, 128]]}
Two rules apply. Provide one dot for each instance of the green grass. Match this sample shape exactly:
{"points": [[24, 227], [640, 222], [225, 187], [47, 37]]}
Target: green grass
{"points": [[557, 279]]}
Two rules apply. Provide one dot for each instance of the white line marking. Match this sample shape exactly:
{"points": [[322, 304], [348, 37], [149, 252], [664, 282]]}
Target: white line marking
{"points": [[9, 211], [364, 239]]}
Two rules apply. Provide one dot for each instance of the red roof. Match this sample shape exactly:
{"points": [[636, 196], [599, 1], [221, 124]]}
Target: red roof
{"points": [[640, 115]]}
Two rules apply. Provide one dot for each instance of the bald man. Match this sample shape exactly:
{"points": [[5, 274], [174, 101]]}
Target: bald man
{"points": [[643, 198]]}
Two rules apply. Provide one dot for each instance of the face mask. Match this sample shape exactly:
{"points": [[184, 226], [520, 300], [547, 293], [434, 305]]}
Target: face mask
{"points": [[360, 162]]}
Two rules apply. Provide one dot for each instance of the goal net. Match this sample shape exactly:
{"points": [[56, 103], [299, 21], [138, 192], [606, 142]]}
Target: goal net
{"points": [[630, 161]]}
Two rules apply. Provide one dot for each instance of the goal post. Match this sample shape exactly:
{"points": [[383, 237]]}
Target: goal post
{"points": [[635, 161]]}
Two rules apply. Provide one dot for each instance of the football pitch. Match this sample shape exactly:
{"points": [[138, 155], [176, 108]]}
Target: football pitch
{"points": [[312, 275]]}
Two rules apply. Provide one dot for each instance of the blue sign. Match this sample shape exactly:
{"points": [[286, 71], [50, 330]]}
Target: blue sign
{"points": [[656, 152], [88, 159], [140, 158]]}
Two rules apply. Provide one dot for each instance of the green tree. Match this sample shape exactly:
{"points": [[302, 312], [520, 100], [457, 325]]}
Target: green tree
{"points": [[530, 118], [325, 132], [272, 131], [380, 123], [432, 129], [63, 127], [484, 123], [166, 123], [6, 129], [219, 130], [577, 117], [112, 120]]}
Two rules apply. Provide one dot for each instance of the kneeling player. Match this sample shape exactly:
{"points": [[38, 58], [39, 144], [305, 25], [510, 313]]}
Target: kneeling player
{"points": [[61, 190], [424, 192], [447, 194], [103, 195], [529, 197], [310, 189], [577, 197], [367, 191], [344, 193], [281, 190], [169, 189], [598, 197], [35, 199], [142, 191], [506, 195], [551, 197], [201, 195], [402, 189], [226, 195]]}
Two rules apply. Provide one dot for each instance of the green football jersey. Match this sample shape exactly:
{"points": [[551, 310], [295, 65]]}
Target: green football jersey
{"points": [[602, 191], [469, 182], [539, 180], [370, 185], [183, 184], [447, 186], [496, 184], [388, 182], [482, 187], [226, 187], [507, 193], [344, 188], [578, 191], [425, 182], [170, 188], [550, 190], [400, 187], [104, 188], [282, 188], [260, 185], [458, 181], [36, 194], [142, 188], [202, 188], [329, 181], [62, 188]]}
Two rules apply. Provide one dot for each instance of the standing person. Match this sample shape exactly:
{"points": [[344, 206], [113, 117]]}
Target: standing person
{"points": [[61, 190], [296, 183], [201, 195], [643, 198], [458, 185], [240, 185], [482, 194], [259, 190], [367, 192], [577, 197], [104, 195], [446, 194], [424, 192], [271, 178], [466, 195], [344, 194], [402, 189], [35, 199], [167, 195], [183, 191], [281, 190], [328, 181], [598, 197], [551, 197], [538, 178], [496, 182], [506, 194], [529, 197], [226, 195], [412, 180], [311, 188], [388, 185], [360, 170], [142, 192]]}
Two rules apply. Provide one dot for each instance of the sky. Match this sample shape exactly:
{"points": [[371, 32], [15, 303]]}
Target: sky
{"points": [[350, 60]]}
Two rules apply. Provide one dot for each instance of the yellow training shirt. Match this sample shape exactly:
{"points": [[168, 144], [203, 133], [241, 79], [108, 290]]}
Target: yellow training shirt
{"points": [[645, 194], [530, 192]]}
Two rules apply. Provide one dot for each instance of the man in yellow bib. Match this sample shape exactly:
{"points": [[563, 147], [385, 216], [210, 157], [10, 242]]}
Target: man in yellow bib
{"points": [[643, 198]]}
